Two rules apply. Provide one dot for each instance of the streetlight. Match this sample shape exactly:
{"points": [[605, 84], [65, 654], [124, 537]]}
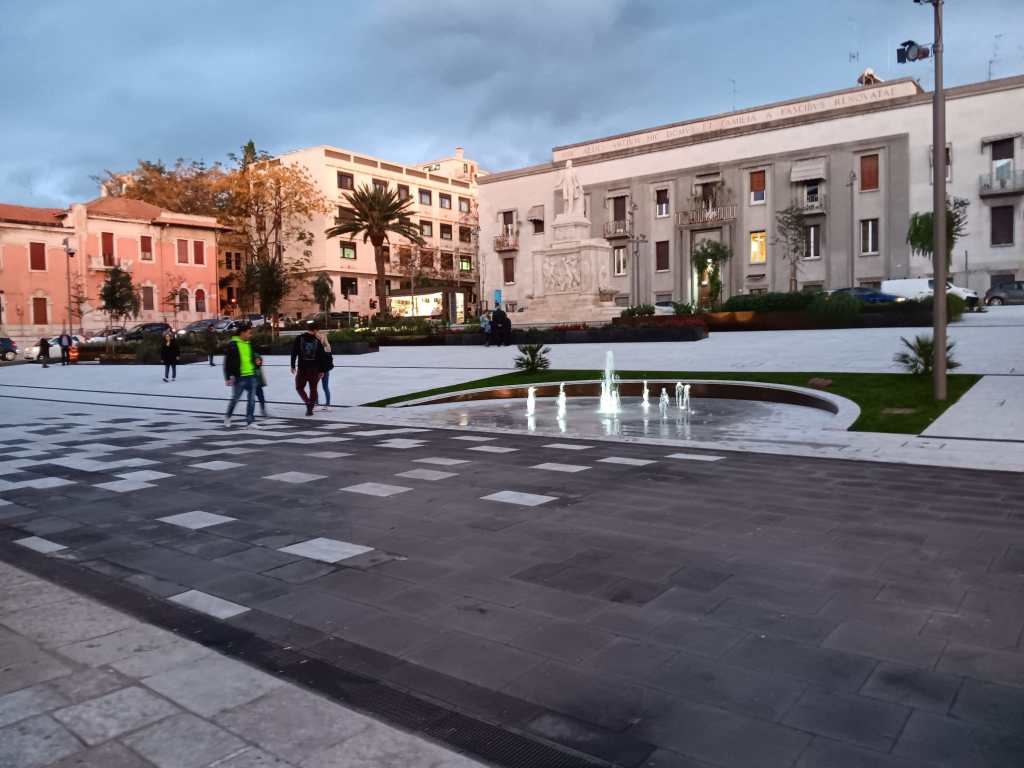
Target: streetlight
{"points": [[635, 240], [910, 51], [69, 251]]}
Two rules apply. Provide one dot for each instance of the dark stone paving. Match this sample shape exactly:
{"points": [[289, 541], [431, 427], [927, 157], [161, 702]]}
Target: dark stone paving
{"points": [[756, 611]]}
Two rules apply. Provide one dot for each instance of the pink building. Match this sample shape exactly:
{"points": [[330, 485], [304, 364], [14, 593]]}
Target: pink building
{"points": [[162, 250]]}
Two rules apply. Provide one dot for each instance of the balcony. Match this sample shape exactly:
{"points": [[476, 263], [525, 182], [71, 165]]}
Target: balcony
{"points": [[102, 264], [1005, 183], [706, 215], [507, 241], [813, 202], [614, 230]]}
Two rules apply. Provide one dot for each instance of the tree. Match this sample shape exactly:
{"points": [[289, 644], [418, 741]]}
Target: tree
{"points": [[190, 186], [920, 234], [121, 298], [791, 234], [80, 306], [323, 292], [709, 256], [375, 213]]}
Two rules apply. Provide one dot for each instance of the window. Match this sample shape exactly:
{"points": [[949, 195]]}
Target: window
{"points": [[868, 173], [875, 285], [812, 192], [622, 300], [403, 192], [465, 263], [868, 237], [661, 263], [148, 302], [465, 235], [425, 198], [404, 255], [37, 257], [344, 215], [812, 288], [661, 203], [427, 258], [446, 231], [238, 261], [1002, 159], [464, 205], [1002, 225], [619, 208], [348, 250], [200, 300], [346, 180], [508, 270], [538, 226], [183, 300], [182, 252], [39, 311], [426, 229], [146, 247], [758, 248], [447, 261], [349, 287], [757, 291], [662, 298], [198, 252], [619, 261], [813, 245], [380, 184], [107, 248], [230, 295], [444, 200], [757, 187], [508, 223]]}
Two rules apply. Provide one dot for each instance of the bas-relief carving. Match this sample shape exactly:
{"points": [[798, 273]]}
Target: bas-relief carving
{"points": [[564, 273]]}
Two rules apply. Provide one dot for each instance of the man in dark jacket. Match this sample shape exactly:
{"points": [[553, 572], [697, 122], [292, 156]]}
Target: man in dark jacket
{"points": [[211, 342], [65, 342], [44, 351], [309, 361], [500, 326], [240, 374]]}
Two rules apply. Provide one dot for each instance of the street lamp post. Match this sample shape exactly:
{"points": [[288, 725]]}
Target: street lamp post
{"points": [[635, 240], [69, 251]]}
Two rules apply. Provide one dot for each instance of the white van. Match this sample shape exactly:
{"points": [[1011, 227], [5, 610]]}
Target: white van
{"points": [[923, 287]]}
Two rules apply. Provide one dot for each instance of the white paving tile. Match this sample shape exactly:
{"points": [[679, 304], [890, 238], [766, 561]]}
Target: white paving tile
{"points": [[217, 466], [295, 477], [196, 520], [426, 474], [197, 453], [144, 475], [442, 461], [208, 604], [376, 489], [694, 457], [328, 454], [493, 449], [555, 467], [401, 442], [40, 544], [626, 460], [315, 440], [474, 438], [123, 486], [5, 502], [382, 432], [325, 550], [517, 497], [568, 446], [41, 483], [336, 426]]}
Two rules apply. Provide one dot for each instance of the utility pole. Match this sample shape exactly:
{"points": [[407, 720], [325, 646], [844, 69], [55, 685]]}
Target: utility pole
{"points": [[939, 212], [69, 251], [635, 240]]}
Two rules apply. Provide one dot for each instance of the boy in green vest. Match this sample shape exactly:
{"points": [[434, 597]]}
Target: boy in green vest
{"points": [[240, 374]]}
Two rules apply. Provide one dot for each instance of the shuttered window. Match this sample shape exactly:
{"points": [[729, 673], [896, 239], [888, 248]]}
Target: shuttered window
{"points": [[345, 180], [661, 202], [107, 248], [183, 251], [1002, 225], [508, 269], [198, 252], [1002, 150], [868, 173], [37, 256], [661, 262], [146, 247], [757, 179], [39, 311], [147, 297], [619, 208]]}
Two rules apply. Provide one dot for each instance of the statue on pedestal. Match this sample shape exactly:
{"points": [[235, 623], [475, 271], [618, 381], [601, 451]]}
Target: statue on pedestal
{"points": [[572, 193]]}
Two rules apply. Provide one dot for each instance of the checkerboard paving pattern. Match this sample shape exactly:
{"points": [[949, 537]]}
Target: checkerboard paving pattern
{"points": [[196, 520], [326, 550], [376, 489]]}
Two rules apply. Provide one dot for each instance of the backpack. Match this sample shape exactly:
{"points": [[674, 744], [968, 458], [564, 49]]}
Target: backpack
{"points": [[307, 349]]}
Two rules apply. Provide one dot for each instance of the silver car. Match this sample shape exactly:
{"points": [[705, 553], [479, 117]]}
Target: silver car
{"points": [[32, 353]]}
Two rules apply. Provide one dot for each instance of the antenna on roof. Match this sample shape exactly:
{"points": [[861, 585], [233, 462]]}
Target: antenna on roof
{"points": [[995, 53], [733, 81]]}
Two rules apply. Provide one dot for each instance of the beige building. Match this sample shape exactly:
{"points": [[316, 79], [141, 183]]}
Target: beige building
{"points": [[444, 197]]}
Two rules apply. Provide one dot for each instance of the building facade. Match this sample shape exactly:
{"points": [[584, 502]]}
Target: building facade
{"points": [[171, 257], [857, 162], [444, 197]]}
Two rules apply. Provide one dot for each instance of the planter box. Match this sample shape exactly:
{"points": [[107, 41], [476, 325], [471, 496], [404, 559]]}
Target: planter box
{"points": [[353, 348], [804, 321], [688, 332], [666, 321]]}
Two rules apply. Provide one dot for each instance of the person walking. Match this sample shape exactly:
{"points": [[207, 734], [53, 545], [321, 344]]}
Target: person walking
{"points": [[328, 367], [44, 351], [211, 342], [261, 382], [169, 351], [65, 342], [308, 363], [485, 328], [240, 374]]}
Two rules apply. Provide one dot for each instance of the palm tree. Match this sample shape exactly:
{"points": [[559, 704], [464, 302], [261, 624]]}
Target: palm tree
{"points": [[375, 213]]}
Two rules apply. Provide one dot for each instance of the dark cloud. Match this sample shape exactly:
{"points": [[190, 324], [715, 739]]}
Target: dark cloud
{"points": [[97, 85]]}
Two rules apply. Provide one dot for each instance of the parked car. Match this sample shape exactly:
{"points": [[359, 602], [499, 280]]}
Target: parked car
{"points": [[140, 331], [870, 295], [197, 328], [1007, 293], [8, 348], [111, 332], [256, 320], [32, 353], [922, 287], [332, 319], [230, 326]]}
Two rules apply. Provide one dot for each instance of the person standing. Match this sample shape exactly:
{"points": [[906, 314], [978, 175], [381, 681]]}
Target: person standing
{"points": [[65, 342], [485, 328], [169, 351], [307, 363], [44, 351], [328, 367], [498, 320], [211, 342], [240, 374], [261, 382]]}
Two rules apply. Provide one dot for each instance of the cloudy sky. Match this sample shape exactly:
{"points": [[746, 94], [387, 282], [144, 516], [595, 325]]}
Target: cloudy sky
{"points": [[96, 84]]}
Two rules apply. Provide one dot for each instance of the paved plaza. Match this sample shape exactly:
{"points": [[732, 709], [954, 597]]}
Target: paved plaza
{"points": [[527, 600]]}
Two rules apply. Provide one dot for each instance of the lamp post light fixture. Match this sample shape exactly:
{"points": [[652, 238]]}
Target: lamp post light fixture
{"points": [[909, 52], [635, 241], [69, 251]]}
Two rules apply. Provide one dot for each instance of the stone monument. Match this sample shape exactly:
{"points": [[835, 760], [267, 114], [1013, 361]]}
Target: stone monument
{"points": [[570, 277]]}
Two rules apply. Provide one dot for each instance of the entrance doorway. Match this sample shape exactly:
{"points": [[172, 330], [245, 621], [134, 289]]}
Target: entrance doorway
{"points": [[700, 285]]}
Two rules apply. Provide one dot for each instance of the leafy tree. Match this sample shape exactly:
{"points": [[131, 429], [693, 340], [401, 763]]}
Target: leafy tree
{"points": [[375, 214], [791, 234], [121, 298], [323, 291], [80, 305], [268, 281], [189, 186], [709, 256], [921, 231]]}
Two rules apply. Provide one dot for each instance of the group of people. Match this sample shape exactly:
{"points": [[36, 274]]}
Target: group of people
{"points": [[497, 327], [311, 364], [64, 341]]}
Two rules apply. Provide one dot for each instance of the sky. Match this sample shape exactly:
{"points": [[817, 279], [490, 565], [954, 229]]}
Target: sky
{"points": [[99, 84]]}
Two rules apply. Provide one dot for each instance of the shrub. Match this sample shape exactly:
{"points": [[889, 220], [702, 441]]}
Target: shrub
{"points": [[919, 356], [769, 302], [148, 350], [640, 310], [835, 310], [682, 308], [955, 306], [532, 358]]}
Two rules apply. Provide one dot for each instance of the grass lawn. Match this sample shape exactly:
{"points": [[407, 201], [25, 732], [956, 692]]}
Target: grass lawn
{"points": [[889, 402]]}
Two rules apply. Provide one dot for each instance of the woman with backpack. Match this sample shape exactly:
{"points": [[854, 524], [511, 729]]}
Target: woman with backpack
{"points": [[169, 355], [328, 366]]}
